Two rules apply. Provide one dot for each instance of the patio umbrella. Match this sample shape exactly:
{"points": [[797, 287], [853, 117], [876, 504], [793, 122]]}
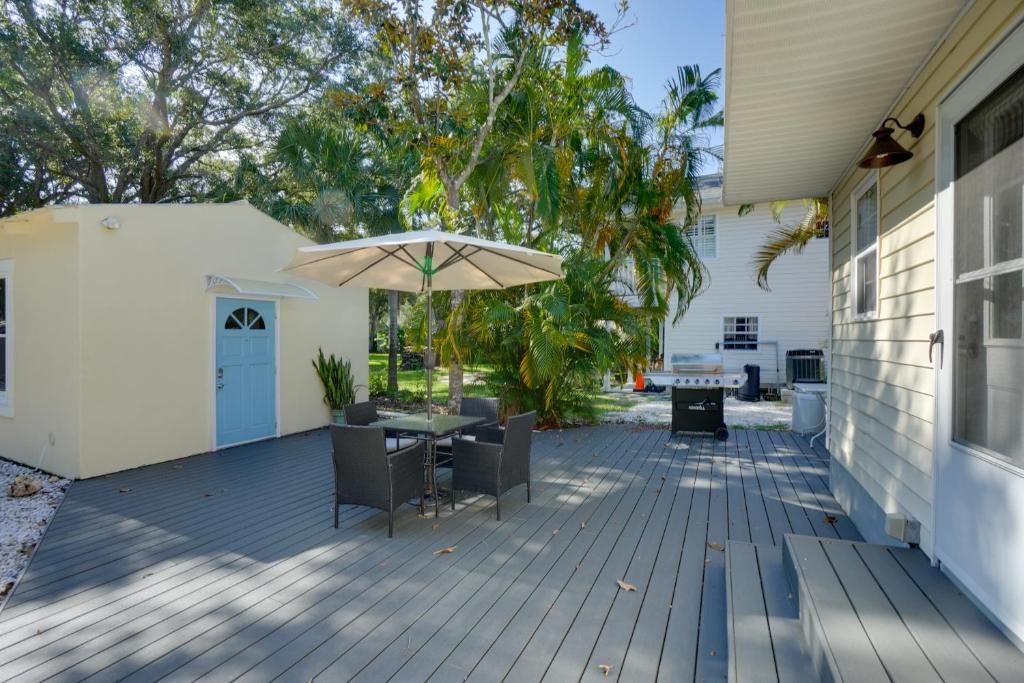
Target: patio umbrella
{"points": [[424, 261]]}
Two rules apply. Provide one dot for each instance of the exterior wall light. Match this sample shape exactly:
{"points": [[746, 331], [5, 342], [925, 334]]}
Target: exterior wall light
{"points": [[885, 151]]}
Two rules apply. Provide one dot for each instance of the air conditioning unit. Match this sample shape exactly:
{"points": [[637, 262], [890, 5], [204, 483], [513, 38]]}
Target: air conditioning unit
{"points": [[805, 366]]}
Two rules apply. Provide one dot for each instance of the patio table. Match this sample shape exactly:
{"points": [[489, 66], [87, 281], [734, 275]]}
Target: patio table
{"points": [[430, 430]]}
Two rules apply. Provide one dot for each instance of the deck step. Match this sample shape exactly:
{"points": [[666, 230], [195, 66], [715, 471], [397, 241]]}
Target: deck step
{"points": [[765, 642], [873, 613]]}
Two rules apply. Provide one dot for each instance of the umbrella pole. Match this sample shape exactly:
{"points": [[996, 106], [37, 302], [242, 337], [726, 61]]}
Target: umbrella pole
{"points": [[429, 355]]}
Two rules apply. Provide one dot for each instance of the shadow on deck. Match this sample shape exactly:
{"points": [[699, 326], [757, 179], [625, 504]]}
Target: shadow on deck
{"points": [[227, 566]]}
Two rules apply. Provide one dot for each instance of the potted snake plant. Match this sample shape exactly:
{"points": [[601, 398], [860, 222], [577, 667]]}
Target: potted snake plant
{"points": [[339, 386]]}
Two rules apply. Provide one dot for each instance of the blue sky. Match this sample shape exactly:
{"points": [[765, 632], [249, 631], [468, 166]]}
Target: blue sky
{"points": [[664, 34]]}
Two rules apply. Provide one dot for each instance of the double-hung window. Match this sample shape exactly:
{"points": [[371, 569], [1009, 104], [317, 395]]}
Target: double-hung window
{"points": [[6, 275], [704, 236], [864, 247], [740, 334]]}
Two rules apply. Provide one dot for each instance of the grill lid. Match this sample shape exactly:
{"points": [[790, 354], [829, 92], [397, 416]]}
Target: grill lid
{"points": [[697, 363]]}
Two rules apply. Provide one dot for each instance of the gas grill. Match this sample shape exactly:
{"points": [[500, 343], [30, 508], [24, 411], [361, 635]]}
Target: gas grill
{"points": [[698, 393]]}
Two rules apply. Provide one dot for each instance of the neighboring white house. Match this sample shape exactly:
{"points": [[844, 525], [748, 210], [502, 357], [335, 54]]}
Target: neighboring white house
{"points": [[734, 316], [926, 412], [135, 334]]}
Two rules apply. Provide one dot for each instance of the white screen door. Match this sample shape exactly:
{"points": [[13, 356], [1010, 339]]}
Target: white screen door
{"points": [[979, 493]]}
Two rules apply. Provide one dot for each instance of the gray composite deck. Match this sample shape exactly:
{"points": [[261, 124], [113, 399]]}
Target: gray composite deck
{"points": [[226, 566]]}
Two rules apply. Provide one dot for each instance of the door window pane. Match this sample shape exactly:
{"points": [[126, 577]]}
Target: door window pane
{"points": [[988, 379], [988, 350]]}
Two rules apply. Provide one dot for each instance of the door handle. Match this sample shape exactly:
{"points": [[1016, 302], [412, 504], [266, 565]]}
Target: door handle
{"points": [[934, 338]]}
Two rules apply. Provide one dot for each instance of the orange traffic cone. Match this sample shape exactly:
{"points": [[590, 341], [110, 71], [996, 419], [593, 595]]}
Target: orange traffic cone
{"points": [[638, 381]]}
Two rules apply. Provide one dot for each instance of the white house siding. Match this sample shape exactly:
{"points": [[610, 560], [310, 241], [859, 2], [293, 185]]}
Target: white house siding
{"points": [[883, 386], [794, 313]]}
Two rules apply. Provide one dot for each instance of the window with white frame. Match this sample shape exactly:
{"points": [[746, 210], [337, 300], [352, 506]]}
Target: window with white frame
{"points": [[740, 333], [864, 246], [6, 272], [704, 236]]}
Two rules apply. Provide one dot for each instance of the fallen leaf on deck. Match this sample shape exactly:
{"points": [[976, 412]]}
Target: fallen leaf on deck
{"points": [[707, 560], [178, 467], [554, 532], [714, 545], [714, 653], [830, 519], [605, 668], [628, 587], [434, 526], [583, 525], [124, 490], [663, 477], [445, 551]]}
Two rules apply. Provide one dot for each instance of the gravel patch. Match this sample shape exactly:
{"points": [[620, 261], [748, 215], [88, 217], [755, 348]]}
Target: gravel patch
{"points": [[657, 409], [23, 521]]}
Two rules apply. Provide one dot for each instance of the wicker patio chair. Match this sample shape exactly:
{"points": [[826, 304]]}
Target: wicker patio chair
{"points": [[364, 414], [491, 468], [366, 474], [486, 408]]}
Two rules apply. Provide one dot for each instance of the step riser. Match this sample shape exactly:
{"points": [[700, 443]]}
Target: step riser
{"points": [[810, 627]]}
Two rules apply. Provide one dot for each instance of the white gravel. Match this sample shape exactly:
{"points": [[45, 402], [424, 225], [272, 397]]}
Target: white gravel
{"points": [[23, 521], [657, 409]]}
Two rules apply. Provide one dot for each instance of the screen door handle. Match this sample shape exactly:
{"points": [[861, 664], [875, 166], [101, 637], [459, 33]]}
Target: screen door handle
{"points": [[936, 338]]}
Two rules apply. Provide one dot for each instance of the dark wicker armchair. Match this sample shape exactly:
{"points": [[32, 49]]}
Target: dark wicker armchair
{"points": [[493, 468], [486, 408], [365, 414], [366, 474]]}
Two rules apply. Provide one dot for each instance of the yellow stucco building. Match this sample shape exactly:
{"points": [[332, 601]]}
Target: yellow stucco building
{"points": [[136, 334]]}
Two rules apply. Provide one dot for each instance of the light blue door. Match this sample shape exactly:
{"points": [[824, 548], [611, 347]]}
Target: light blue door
{"points": [[245, 371]]}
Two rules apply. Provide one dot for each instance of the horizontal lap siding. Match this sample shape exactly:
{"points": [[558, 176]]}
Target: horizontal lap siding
{"points": [[882, 403], [794, 313]]}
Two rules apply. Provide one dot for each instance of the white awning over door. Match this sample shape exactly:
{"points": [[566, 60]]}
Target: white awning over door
{"points": [[249, 287]]}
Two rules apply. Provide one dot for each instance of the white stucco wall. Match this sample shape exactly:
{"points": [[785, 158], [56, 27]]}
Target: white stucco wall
{"points": [[795, 313], [144, 385]]}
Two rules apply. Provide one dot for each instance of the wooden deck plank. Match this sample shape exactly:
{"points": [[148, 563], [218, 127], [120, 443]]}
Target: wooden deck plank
{"points": [[640, 663], [792, 665], [835, 634], [899, 652], [603, 565], [418, 646], [270, 636], [995, 652], [939, 642], [771, 500], [758, 521], [750, 639], [253, 581], [678, 660], [712, 644], [543, 579]]}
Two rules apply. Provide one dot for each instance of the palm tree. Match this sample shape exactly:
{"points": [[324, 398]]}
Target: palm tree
{"points": [[330, 180], [789, 238]]}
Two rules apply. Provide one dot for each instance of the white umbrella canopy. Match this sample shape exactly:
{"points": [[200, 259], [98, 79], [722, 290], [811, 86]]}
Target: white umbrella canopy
{"points": [[425, 259], [422, 261]]}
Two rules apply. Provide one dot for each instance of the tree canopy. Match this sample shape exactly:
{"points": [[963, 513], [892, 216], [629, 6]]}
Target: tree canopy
{"points": [[140, 100]]}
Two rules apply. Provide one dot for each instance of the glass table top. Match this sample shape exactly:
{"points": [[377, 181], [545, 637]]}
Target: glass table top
{"points": [[438, 425]]}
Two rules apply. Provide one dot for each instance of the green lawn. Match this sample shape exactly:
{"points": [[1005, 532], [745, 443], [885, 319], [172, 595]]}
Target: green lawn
{"points": [[415, 382]]}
